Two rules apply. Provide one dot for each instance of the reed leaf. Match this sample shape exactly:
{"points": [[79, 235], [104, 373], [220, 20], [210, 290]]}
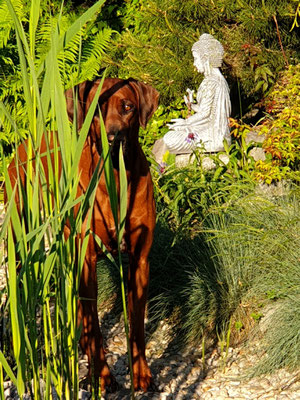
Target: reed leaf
{"points": [[109, 174], [123, 195], [8, 370], [43, 296]]}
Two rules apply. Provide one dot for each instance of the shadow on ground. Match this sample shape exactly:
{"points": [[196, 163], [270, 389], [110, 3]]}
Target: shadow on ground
{"points": [[177, 368]]}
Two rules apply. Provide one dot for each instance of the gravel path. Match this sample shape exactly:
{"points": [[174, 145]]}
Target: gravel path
{"points": [[182, 375]]}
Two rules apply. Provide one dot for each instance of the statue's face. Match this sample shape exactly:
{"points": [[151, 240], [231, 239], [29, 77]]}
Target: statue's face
{"points": [[198, 62]]}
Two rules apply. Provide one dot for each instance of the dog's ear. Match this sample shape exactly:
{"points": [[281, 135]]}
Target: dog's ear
{"points": [[147, 98], [78, 93]]}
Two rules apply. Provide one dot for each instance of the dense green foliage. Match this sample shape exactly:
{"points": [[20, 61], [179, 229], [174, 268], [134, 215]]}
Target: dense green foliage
{"points": [[282, 130], [186, 196], [156, 46], [81, 60]]}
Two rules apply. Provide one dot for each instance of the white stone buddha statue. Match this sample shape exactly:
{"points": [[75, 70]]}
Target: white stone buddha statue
{"points": [[209, 125]]}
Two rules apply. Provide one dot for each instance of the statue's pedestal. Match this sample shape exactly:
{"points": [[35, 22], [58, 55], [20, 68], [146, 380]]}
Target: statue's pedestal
{"points": [[158, 151]]}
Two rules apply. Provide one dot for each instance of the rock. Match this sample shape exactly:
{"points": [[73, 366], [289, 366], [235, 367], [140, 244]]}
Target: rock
{"points": [[158, 150]]}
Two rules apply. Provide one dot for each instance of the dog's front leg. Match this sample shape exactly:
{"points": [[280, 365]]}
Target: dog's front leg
{"points": [[91, 340], [138, 281]]}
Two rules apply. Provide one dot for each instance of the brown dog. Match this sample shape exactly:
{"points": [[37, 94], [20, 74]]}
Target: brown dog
{"points": [[125, 105]]}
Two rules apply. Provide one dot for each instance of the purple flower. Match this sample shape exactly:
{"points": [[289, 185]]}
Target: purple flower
{"points": [[162, 167], [190, 137]]}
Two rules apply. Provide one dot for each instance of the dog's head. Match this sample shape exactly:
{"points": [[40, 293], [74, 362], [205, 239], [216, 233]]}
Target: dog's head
{"points": [[125, 106]]}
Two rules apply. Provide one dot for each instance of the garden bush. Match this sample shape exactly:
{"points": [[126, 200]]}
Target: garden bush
{"points": [[282, 130], [244, 258], [186, 196], [155, 45]]}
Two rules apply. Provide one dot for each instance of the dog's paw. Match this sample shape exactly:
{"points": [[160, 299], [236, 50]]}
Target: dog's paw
{"points": [[142, 377], [108, 381], [146, 384]]}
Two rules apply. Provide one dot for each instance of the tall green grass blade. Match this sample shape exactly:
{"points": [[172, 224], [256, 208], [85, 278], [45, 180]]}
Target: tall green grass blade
{"points": [[21, 38], [120, 231], [14, 307], [86, 125], [33, 23], [63, 126], [109, 173], [1, 381], [123, 195], [8, 370], [11, 193]]}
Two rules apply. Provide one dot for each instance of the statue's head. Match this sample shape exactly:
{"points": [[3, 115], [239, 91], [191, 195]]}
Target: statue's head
{"points": [[208, 53]]}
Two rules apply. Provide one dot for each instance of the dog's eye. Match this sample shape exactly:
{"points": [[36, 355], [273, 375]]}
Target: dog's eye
{"points": [[127, 107]]}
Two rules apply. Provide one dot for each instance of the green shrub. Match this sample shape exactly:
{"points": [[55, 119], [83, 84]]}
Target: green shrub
{"points": [[242, 257], [156, 44], [253, 261], [186, 196], [282, 131]]}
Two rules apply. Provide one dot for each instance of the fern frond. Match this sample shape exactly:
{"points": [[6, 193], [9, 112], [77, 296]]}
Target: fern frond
{"points": [[92, 54], [86, 47], [6, 22]]}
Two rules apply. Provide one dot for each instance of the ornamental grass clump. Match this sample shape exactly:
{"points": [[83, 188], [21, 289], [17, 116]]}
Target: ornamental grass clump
{"points": [[236, 268], [252, 266], [43, 264]]}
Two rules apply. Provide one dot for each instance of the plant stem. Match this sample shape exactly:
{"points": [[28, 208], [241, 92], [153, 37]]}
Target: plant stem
{"points": [[280, 42]]}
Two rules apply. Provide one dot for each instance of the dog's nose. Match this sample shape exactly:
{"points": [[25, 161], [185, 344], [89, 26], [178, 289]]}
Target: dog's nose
{"points": [[112, 130], [110, 137]]}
